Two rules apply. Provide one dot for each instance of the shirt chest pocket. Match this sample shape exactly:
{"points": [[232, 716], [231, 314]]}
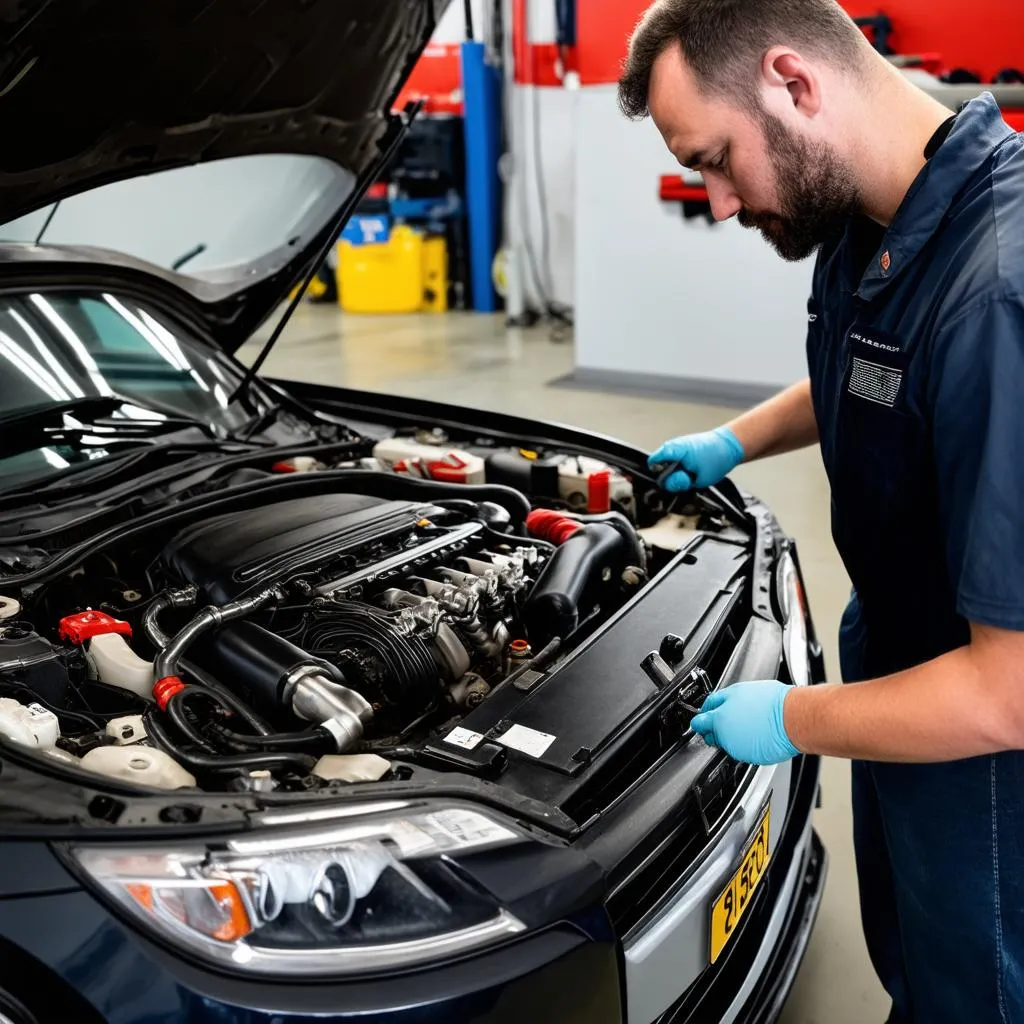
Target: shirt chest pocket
{"points": [[881, 446], [882, 480]]}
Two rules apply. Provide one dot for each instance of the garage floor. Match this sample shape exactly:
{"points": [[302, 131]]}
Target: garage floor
{"points": [[474, 361]]}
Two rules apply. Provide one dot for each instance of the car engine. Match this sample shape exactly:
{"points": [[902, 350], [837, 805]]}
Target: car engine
{"points": [[307, 641]]}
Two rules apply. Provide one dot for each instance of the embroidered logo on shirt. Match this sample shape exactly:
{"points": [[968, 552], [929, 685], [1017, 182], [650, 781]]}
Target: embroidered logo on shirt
{"points": [[875, 382], [885, 262]]}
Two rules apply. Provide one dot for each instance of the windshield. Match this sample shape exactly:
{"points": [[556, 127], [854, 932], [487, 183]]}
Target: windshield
{"points": [[57, 346], [62, 346], [209, 220]]}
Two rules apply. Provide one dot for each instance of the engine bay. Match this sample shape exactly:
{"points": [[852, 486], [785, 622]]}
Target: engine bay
{"points": [[325, 624]]}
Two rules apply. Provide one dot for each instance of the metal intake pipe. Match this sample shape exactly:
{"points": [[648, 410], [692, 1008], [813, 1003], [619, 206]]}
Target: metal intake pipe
{"points": [[274, 675]]}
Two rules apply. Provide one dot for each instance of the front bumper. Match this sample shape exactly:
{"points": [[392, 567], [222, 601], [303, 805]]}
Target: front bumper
{"points": [[751, 985], [64, 957]]}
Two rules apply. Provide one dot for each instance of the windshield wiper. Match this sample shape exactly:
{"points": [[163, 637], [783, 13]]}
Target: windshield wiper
{"points": [[104, 472], [187, 257], [54, 412], [41, 426]]}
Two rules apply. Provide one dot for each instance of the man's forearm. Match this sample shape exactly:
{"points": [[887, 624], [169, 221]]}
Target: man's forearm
{"points": [[962, 704], [781, 424]]}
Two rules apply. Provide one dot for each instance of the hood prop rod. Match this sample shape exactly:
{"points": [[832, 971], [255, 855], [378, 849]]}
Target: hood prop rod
{"points": [[405, 119]]}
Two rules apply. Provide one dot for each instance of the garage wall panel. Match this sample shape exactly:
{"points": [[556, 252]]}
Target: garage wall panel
{"points": [[660, 296]]}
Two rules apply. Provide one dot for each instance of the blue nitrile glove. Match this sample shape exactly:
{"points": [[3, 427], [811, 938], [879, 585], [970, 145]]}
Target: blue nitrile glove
{"points": [[745, 720], [705, 458]]}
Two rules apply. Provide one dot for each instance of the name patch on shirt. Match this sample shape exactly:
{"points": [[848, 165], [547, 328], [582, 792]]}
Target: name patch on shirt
{"points": [[877, 366]]}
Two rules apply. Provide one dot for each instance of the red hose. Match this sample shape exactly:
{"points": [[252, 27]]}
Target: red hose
{"points": [[164, 689], [554, 527]]}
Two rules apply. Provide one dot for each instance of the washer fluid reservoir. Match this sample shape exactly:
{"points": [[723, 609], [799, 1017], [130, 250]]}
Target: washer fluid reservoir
{"points": [[142, 765]]}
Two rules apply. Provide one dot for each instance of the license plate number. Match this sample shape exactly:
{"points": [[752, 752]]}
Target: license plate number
{"points": [[739, 892]]}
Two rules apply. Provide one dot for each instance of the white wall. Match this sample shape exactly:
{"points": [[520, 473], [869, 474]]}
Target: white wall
{"points": [[659, 295], [553, 112]]}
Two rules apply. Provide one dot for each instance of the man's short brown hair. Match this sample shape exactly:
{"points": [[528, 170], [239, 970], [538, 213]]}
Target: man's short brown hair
{"points": [[723, 42]]}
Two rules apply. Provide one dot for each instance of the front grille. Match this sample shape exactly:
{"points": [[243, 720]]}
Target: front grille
{"points": [[607, 783], [656, 870], [647, 883]]}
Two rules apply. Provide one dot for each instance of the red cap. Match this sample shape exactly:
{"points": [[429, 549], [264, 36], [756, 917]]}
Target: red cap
{"points": [[451, 469], [546, 524], [85, 625], [283, 467], [599, 491], [164, 689]]}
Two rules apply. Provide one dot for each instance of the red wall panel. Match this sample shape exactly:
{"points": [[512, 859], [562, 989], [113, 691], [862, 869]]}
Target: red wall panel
{"points": [[603, 28], [436, 80], [983, 37]]}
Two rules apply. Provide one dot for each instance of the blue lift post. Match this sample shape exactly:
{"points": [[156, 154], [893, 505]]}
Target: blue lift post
{"points": [[481, 97]]}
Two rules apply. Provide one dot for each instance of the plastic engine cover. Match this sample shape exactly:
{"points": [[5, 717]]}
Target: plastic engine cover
{"points": [[232, 554]]}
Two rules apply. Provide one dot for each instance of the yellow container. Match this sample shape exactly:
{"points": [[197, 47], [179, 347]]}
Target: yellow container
{"points": [[435, 275], [406, 274], [385, 277]]}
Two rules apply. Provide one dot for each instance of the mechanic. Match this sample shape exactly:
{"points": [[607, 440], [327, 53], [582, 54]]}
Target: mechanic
{"points": [[915, 394]]}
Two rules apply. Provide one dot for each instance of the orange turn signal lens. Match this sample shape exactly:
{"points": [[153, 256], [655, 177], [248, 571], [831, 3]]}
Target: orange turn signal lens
{"points": [[215, 908], [142, 894], [236, 924]]}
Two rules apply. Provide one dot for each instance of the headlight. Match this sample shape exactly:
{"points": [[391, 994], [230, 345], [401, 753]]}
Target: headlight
{"points": [[369, 892], [793, 605]]}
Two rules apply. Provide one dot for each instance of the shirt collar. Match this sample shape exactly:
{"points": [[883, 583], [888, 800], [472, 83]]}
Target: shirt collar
{"points": [[978, 130]]}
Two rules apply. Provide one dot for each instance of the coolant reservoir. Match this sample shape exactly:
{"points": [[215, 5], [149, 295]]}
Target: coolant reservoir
{"points": [[591, 486], [431, 461], [351, 767], [31, 725], [143, 765], [113, 662]]}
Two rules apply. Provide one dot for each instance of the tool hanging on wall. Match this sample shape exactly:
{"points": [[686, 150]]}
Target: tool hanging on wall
{"points": [[673, 188]]}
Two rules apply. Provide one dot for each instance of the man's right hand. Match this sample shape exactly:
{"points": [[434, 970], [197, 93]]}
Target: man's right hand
{"points": [[705, 459]]}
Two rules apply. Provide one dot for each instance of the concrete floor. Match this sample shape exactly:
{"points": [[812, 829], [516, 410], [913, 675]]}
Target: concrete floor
{"points": [[475, 361]]}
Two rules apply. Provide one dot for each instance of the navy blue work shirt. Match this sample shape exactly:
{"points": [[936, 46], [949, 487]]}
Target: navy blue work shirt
{"points": [[916, 355]]}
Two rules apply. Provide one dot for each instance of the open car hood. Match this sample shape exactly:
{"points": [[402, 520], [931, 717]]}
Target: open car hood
{"points": [[146, 121]]}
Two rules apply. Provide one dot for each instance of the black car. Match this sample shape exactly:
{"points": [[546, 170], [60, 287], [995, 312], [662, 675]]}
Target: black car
{"points": [[317, 704]]}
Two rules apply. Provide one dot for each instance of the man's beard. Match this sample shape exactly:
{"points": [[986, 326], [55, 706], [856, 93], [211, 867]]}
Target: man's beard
{"points": [[817, 193]]}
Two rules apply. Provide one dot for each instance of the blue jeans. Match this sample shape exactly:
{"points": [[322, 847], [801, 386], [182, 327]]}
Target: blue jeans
{"points": [[940, 867]]}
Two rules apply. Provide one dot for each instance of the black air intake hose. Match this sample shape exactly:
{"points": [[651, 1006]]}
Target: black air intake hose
{"points": [[255, 663], [570, 578], [634, 545]]}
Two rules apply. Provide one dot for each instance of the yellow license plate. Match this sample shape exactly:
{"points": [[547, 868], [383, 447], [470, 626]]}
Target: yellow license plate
{"points": [[739, 893]]}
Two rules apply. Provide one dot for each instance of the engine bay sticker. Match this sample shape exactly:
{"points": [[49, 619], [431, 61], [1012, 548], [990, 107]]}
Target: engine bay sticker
{"points": [[469, 827], [465, 738], [529, 741]]}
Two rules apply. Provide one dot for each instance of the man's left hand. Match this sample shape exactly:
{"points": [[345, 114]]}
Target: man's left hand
{"points": [[746, 721]]}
